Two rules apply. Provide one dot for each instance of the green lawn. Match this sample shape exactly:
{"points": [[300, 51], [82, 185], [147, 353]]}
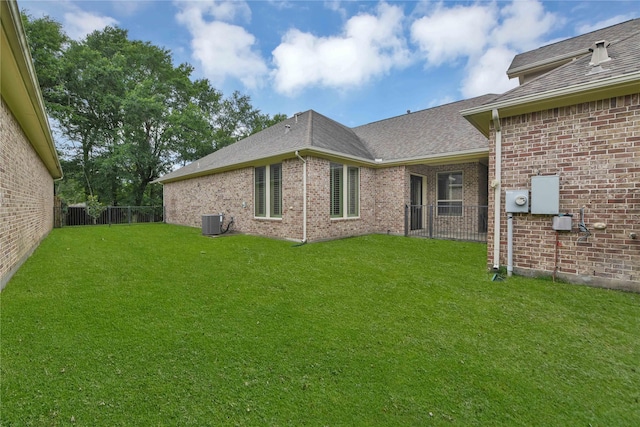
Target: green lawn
{"points": [[157, 325]]}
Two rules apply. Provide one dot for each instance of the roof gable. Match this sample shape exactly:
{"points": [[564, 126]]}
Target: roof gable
{"points": [[304, 131], [625, 60], [552, 55]]}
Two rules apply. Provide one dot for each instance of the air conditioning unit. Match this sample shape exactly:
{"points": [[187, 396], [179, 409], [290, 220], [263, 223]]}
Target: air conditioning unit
{"points": [[212, 224]]}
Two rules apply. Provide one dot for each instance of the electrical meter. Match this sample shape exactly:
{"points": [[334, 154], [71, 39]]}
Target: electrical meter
{"points": [[517, 201]]}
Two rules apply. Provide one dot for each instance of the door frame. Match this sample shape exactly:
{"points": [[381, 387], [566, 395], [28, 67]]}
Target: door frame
{"points": [[417, 210]]}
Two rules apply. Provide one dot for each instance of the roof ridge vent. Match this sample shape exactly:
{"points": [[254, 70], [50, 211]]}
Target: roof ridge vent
{"points": [[599, 53]]}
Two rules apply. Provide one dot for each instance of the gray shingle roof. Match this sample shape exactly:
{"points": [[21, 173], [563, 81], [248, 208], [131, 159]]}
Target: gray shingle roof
{"points": [[417, 135], [424, 133], [308, 130], [573, 47], [625, 59]]}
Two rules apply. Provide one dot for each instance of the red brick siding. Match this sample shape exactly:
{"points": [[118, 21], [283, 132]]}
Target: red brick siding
{"points": [[392, 194], [26, 196], [383, 195], [595, 149]]}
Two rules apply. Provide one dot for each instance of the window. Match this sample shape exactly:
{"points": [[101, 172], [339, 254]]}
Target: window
{"points": [[450, 193], [268, 198], [345, 191]]}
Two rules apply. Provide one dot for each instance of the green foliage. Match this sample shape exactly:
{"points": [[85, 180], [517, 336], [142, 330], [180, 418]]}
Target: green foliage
{"points": [[126, 114], [94, 207], [158, 325], [47, 42]]}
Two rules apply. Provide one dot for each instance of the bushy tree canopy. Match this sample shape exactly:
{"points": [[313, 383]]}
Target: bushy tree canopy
{"points": [[125, 114]]}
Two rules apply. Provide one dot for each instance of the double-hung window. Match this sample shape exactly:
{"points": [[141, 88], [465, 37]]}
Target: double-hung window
{"points": [[268, 191], [344, 182], [450, 193]]}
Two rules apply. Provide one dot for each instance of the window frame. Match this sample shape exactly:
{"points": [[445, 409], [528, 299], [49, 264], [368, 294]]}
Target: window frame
{"points": [[267, 194], [450, 206], [345, 195]]}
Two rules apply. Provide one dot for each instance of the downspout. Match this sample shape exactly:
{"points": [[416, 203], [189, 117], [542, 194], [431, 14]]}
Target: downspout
{"points": [[304, 197], [495, 184]]}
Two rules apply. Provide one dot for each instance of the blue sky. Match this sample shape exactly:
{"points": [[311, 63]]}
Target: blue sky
{"points": [[354, 61]]}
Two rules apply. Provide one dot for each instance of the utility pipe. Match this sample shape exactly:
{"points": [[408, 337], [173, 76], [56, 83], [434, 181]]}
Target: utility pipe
{"points": [[509, 244], [304, 196], [495, 184]]}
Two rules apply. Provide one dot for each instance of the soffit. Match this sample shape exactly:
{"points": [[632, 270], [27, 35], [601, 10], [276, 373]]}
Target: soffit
{"points": [[20, 90]]}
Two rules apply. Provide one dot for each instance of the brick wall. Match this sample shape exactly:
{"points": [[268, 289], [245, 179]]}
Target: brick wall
{"points": [[392, 194], [232, 194], [26, 197], [321, 226], [383, 195], [595, 149]]}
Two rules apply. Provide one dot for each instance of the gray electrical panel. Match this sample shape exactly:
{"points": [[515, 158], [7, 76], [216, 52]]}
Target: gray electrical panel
{"points": [[561, 223], [545, 195]]}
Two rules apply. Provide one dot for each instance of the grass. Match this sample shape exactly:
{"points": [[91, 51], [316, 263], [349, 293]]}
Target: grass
{"points": [[158, 325]]}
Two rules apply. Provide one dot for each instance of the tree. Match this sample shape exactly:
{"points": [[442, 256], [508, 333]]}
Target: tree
{"points": [[47, 42], [238, 119], [94, 208], [126, 114]]}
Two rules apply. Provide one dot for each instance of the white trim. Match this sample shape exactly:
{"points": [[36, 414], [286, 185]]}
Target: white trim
{"points": [[462, 156], [497, 189], [554, 93], [461, 172]]}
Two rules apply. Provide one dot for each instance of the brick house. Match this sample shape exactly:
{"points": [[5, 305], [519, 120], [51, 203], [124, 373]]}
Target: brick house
{"points": [[28, 160], [574, 122], [311, 178]]}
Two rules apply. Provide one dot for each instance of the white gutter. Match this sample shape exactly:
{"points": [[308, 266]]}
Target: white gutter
{"points": [[563, 92], [495, 184], [304, 197]]}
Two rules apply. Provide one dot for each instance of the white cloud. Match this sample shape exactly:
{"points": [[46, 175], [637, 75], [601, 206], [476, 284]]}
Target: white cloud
{"points": [[587, 28], [484, 37], [487, 74], [78, 24], [224, 50], [224, 10], [524, 23], [369, 46], [336, 6], [451, 33]]}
